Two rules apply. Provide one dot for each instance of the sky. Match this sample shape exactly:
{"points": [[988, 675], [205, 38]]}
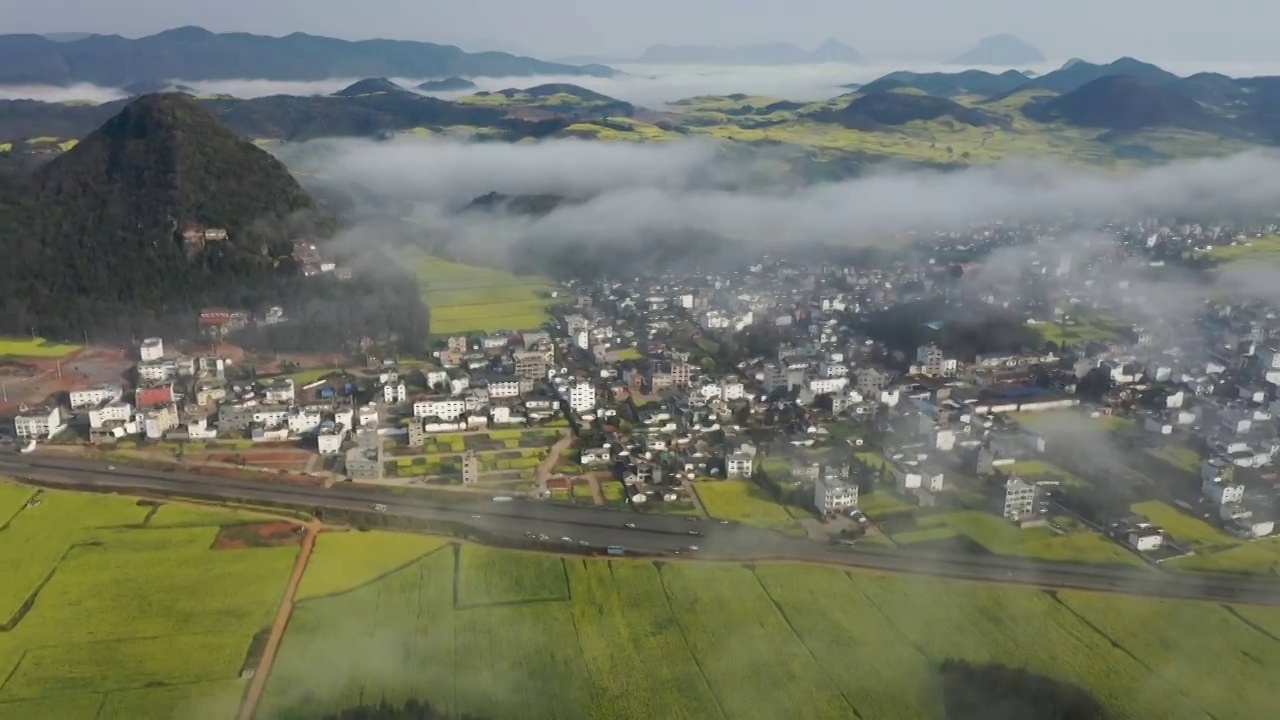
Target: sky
{"points": [[1226, 30]]}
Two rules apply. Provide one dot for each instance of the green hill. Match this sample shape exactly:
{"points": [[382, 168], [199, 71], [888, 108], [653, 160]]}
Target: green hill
{"points": [[94, 237]]}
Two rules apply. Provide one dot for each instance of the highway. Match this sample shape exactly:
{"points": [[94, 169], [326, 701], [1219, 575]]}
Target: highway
{"points": [[641, 532]]}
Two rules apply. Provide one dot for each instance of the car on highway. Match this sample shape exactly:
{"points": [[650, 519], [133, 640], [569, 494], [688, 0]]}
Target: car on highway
{"points": [[694, 532], [111, 467], [583, 543], [693, 548], [379, 507], [631, 525], [475, 517], [566, 539], [724, 522]]}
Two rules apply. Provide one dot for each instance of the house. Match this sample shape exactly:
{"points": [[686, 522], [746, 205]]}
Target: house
{"points": [[111, 412], [1019, 499], [832, 495], [279, 391], [738, 465], [363, 463], [38, 423], [329, 441], [595, 456], [445, 408], [93, 397], [394, 392], [1146, 537]]}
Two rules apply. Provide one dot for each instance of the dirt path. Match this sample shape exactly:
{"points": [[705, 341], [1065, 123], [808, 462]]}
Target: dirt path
{"points": [[543, 472], [596, 493], [697, 501], [263, 671]]}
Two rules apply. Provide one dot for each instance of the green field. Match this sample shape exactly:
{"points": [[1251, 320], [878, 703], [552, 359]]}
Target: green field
{"points": [[1264, 249], [1178, 456], [593, 638], [1084, 327], [1190, 532], [106, 616], [34, 348], [1038, 469], [745, 502], [469, 298], [1001, 537]]}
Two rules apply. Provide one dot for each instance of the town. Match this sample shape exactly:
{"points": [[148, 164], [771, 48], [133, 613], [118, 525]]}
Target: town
{"points": [[1056, 403]]}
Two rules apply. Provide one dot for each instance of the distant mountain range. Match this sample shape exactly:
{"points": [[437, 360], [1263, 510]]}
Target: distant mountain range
{"points": [[1093, 111], [831, 50], [192, 53], [1000, 51]]}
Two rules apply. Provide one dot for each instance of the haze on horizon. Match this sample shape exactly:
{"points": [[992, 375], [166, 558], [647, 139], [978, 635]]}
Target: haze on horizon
{"points": [[1227, 31]]}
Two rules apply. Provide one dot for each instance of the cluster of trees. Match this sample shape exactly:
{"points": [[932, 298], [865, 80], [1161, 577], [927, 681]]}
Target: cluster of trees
{"points": [[376, 311], [965, 331], [988, 691]]}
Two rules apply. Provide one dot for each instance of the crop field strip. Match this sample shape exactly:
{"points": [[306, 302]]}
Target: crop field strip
{"points": [[631, 638], [100, 635]]}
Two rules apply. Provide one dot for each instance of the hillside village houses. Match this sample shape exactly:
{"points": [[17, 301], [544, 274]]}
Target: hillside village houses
{"points": [[766, 376]]}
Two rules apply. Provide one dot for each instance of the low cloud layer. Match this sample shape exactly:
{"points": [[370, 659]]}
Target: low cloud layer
{"points": [[638, 190], [648, 86]]}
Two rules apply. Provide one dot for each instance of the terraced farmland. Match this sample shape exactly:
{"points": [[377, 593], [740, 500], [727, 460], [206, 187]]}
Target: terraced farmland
{"points": [[467, 298], [508, 634]]}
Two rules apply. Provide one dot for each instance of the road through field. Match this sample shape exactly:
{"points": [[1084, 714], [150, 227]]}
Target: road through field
{"points": [[263, 671]]}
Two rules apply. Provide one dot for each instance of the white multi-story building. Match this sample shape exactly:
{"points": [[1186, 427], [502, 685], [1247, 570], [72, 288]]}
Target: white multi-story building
{"points": [[111, 412], [831, 495], [827, 385], [1019, 498], [93, 397], [303, 421], [1223, 492], [738, 465], [436, 377], [151, 349], [732, 391], [394, 393], [443, 408], [582, 397], [38, 423], [279, 392], [158, 421], [158, 371], [212, 366], [330, 443], [499, 389]]}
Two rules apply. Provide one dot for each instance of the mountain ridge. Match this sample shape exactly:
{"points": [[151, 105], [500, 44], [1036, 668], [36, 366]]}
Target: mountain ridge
{"points": [[1000, 50], [193, 53]]}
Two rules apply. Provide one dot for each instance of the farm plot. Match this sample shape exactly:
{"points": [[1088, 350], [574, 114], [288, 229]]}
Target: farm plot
{"points": [[345, 560], [745, 502], [35, 348], [467, 298], [984, 623], [1177, 660], [493, 577], [1187, 531], [138, 621], [638, 639]]}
